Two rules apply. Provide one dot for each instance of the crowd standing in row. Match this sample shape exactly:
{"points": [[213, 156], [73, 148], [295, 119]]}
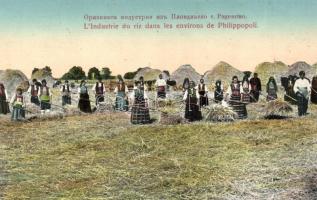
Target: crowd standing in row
{"points": [[237, 95]]}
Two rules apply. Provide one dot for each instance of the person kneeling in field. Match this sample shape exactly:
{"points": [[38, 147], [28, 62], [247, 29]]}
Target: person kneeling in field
{"points": [[18, 105], [140, 113], [45, 97], [192, 110]]}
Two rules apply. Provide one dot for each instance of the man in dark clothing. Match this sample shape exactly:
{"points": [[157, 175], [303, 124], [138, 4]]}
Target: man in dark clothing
{"points": [[255, 88]]}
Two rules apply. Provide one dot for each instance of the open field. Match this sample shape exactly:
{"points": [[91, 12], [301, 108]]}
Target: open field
{"points": [[103, 156]]}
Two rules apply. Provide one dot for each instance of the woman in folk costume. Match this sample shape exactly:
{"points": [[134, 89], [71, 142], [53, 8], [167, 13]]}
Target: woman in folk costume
{"points": [[234, 92], [160, 84], [18, 105], [314, 90], [121, 96], [4, 106], [271, 89], [66, 94], [256, 88], [84, 102], [192, 110], [185, 84], [302, 90], [99, 89], [140, 113], [218, 92], [203, 93], [45, 97], [246, 88], [34, 92]]}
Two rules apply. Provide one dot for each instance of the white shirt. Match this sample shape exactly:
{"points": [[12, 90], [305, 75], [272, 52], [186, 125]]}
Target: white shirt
{"points": [[133, 93], [30, 88], [65, 88], [160, 82], [300, 83], [229, 91], [13, 99], [205, 88], [125, 89]]}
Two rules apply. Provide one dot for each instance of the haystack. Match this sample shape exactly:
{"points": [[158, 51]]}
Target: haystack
{"points": [[277, 109], [170, 119], [32, 108], [219, 113], [103, 107]]}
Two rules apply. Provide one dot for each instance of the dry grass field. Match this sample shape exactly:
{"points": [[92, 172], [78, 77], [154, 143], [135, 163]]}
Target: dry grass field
{"points": [[103, 156]]}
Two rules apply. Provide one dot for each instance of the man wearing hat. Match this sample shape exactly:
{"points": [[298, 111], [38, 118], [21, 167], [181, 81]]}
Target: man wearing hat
{"points": [[302, 91]]}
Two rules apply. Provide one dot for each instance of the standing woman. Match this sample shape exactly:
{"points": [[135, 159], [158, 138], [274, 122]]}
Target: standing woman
{"points": [[271, 89], [18, 105], [45, 97], [192, 110], [140, 113], [234, 92], [245, 93], [4, 107], [84, 102], [218, 92], [121, 96], [314, 90]]}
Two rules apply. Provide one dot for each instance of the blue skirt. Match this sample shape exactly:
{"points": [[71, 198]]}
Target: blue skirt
{"points": [[121, 102]]}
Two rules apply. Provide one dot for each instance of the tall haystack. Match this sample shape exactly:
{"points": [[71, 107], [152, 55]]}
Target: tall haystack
{"points": [[295, 68], [43, 73], [267, 69], [222, 71], [12, 79], [150, 74], [185, 71]]}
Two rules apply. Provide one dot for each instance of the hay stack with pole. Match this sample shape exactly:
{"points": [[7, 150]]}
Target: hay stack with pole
{"points": [[219, 113], [277, 109]]}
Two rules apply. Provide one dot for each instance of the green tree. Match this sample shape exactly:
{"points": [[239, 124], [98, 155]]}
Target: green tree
{"points": [[35, 70], [106, 73], [75, 73], [93, 73]]}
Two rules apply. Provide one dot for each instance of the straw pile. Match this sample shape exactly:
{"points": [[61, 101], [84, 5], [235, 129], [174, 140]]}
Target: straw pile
{"points": [[219, 113], [103, 107], [32, 108], [170, 119], [277, 109], [72, 110]]}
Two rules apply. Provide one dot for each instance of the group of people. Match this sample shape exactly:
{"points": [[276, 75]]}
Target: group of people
{"points": [[237, 95]]}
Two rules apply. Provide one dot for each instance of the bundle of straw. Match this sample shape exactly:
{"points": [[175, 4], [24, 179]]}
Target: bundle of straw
{"points": [[170, 119], [220, 113], [277, 108], [103, 107]]}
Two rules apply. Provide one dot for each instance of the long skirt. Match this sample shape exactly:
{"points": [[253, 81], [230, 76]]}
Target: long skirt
{"points": [[192, 111], [35, 100], [238, 107], [302, 104], [218, 96], [4, 106], [254, 94], [140, 113], [246, 97], [314, 95], [203, 101], [271, 95], [161, 95], [121, 102], [45, 105], [99, 98], [18, 113], [84, 103], [66, 100]]}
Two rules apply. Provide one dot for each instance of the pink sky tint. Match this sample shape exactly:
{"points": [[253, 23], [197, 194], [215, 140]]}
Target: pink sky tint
{"points": [[125, 53]]}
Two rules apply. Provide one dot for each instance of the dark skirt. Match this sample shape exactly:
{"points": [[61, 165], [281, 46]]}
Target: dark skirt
{"points": [[192, 110], [302, 104], [66, 100], [161, 95], [45, 105], [18, 113], [203, 101], [238, 107], [140, 113], [35, 100], [4, 106], [218, 96], [121, 102], [271, 95], [84, 103], [314, 95], [254, 94]]}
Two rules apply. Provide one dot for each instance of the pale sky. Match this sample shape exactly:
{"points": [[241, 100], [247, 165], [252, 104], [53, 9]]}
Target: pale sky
{"points": [[39, 33]]}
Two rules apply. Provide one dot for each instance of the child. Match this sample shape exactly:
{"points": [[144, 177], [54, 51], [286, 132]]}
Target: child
{"points": [[18, 105]]}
